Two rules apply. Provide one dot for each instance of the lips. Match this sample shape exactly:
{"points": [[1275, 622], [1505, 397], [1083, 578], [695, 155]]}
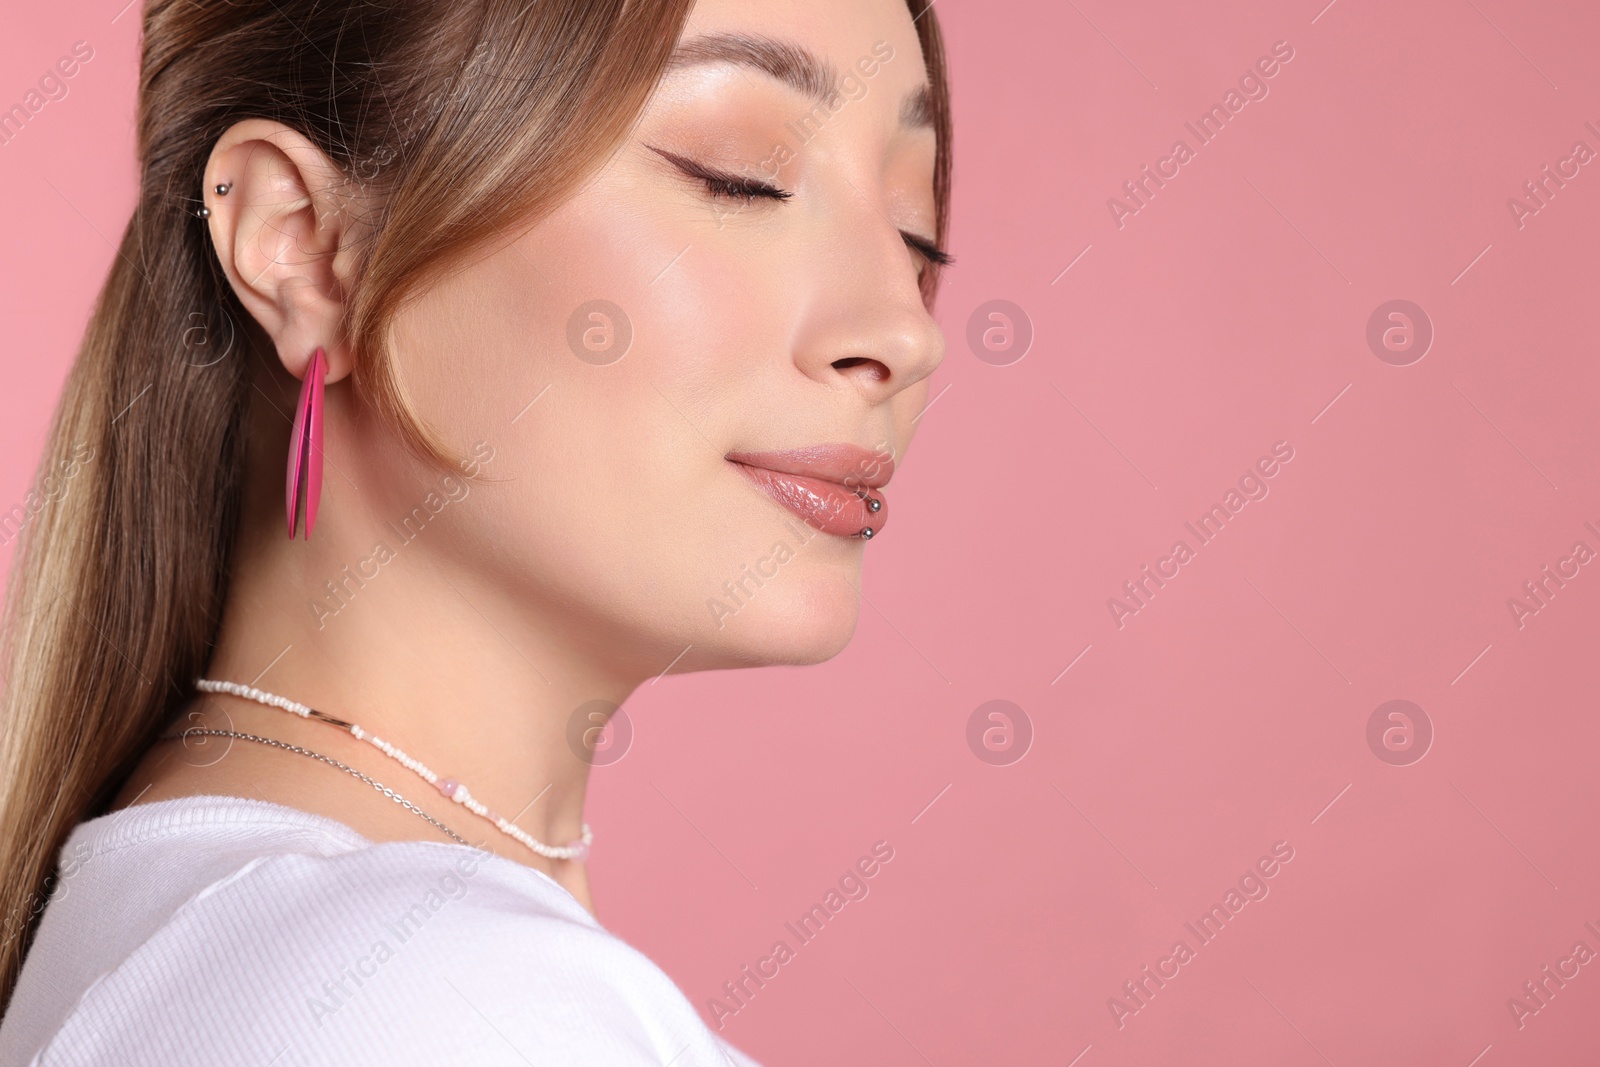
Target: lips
{"points": [[828, 486]]}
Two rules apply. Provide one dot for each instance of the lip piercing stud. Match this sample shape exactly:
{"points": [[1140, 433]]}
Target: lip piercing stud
{"points": [[874, 504], [222, 189], [866, 533]]}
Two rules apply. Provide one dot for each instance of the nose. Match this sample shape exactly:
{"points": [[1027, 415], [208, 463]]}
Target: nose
{"points": [[866, 326]]}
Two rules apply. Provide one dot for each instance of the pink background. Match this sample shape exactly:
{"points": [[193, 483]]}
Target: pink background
{"points": [[1231, 712]]}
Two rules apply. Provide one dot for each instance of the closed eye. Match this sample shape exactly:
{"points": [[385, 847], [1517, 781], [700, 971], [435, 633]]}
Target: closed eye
{"points": [[928, 250], [722, 184]]}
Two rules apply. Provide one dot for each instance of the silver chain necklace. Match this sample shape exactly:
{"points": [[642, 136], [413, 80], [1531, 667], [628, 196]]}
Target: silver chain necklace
{"points": [[577, 850], [197, 731]]}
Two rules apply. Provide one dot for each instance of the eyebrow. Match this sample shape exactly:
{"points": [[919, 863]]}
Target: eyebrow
{"points": [[793, 65]]}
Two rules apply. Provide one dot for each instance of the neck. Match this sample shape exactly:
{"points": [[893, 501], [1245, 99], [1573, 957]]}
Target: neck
{"points": [[381, 631]]}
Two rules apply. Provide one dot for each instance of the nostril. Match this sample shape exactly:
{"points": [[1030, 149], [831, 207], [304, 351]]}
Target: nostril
{"points": [[870, 368]]}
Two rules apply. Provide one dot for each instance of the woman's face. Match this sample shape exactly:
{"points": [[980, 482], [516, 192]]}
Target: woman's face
{"points": [[615, 355]]}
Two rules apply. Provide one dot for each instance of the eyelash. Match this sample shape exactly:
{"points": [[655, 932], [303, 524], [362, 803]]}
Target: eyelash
{"points": [[928, 250], [749, 190], [743, 189]]}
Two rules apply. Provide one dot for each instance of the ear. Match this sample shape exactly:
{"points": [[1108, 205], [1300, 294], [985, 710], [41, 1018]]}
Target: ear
{"points": [[285, 234]]}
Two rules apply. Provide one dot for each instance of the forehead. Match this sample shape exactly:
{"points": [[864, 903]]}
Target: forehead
{"points": [[817, 23], [809, 46]]}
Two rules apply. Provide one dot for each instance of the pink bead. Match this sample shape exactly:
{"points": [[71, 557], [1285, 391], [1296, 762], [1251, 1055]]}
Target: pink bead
{"points": [[448, 787], [580, 851]]}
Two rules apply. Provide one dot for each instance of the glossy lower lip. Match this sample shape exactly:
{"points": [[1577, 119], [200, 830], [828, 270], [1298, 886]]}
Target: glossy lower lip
{"points": [[828, 486]]}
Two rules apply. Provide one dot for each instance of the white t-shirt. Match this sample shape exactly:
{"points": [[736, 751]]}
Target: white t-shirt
{"points": [[210, 931]]}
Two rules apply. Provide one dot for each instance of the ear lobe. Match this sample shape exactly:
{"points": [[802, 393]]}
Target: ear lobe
{"points": [[277, 232]]}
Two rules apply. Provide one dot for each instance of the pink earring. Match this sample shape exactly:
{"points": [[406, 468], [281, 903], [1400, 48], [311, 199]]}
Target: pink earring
{"points": [[305, 445]]}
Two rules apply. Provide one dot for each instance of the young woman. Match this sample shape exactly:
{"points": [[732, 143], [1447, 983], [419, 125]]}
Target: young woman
{"points": [[535, 325]]}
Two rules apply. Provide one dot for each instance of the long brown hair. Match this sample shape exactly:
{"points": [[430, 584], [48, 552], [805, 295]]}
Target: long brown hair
{"points": [[460, 116]]}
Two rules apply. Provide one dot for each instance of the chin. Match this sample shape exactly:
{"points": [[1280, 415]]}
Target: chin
{"points": [[791, 626]]}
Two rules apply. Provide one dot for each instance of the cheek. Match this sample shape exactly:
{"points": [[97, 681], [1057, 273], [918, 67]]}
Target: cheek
{"points": [[609, 495]]}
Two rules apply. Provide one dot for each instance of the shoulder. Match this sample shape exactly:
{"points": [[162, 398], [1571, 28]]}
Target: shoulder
{"points": [[399, 953]]}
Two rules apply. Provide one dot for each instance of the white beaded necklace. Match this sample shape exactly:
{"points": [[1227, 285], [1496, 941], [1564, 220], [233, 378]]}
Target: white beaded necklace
{"points": [[456, 791]]}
